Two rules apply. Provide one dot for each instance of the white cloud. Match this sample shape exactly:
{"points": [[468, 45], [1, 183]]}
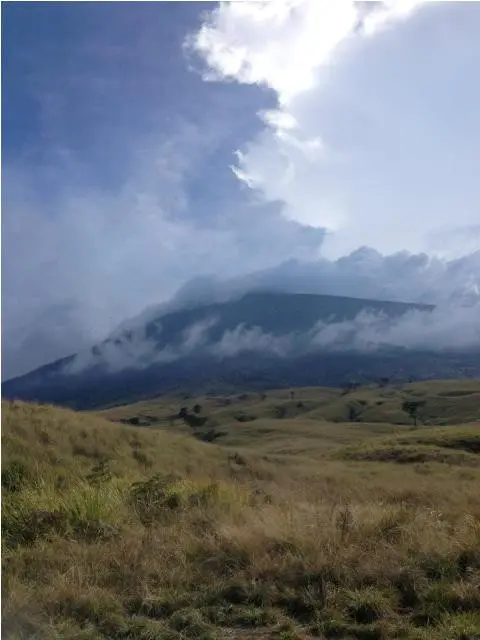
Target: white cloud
{"points": [[196, 335], [365, 273], [276, 44], [447, 327], [282, 44], [243, 339], [366, 141], [78, 264], [387, 13]]}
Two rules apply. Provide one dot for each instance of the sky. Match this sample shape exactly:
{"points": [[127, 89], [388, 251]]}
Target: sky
{"points": [[153, 150]]}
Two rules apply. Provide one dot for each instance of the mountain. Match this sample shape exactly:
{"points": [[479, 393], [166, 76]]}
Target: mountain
{"points": [[263, 339]]}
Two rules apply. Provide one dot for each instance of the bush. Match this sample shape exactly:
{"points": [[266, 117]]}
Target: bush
{"points": [[210, 436], [100, 473], [20, 527], [15, 476], [366, 605], [244, 417], [154, 497], [194, 420], [280, 412], [159, 496]]}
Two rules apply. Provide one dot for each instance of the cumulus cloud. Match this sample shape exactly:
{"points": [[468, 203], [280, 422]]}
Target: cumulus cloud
{"points": [[365, 273], [301, 36], [365, 132], [282, 44]]}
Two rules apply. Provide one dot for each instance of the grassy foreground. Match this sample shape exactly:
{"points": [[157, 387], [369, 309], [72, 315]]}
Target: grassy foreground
{"points": [[291, 523]]}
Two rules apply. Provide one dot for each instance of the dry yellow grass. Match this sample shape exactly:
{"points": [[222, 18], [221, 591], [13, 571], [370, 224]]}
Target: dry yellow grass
{"points": [[112, 531]]}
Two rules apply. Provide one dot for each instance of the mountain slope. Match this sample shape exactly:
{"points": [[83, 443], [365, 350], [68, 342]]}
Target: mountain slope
{"points": [[260, 340]]}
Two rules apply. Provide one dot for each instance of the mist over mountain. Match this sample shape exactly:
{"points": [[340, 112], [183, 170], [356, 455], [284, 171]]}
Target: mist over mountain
{"points": [[365, 273], [258, 340]]}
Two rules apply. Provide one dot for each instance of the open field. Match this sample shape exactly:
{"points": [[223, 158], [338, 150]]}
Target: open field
{"points": [[315, 419], [306, 513]]}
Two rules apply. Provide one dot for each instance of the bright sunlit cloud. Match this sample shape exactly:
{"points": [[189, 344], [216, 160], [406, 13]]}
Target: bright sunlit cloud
{"points": [[365, 141]]}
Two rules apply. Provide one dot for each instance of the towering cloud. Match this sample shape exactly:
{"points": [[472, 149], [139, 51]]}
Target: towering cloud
{"points": [[365, 140]]}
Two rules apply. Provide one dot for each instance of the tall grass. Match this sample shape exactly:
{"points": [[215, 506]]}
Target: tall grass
{"points": [[197, 544]]}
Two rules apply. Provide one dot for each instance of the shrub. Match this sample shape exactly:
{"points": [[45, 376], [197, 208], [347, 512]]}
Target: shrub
{"points": [[190, 624], [160, 496], [280, 412], [20, 527], [100, 473], [244, 417], [366, 605], [194, 420], [15, 476], [153, 497]]}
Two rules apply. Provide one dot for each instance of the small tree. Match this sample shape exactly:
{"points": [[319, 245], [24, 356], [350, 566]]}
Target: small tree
{"points": [[280, 412], [194, 421], [412, 408], [183, 412], [353, 413], [197, 408], [349, 387]]}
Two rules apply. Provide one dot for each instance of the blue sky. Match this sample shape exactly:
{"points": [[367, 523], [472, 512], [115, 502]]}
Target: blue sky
{"points": [[146, 144], [87, 82]]}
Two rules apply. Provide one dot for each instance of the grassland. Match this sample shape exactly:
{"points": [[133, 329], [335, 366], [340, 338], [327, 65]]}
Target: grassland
{"points": [[306, 513]]}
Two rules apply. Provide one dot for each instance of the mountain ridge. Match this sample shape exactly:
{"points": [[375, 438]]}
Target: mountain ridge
{"points": [[262, 339]]}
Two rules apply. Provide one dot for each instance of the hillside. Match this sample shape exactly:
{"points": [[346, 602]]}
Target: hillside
{"points": [[261, 341], [442, 402], [291, 524]]}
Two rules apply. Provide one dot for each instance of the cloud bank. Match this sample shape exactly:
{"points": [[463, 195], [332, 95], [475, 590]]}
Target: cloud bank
{"points": [[365, 273]]}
